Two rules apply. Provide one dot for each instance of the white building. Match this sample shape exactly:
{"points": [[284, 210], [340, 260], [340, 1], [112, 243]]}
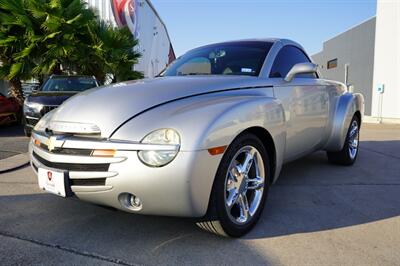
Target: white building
{"points": [[142, 19], [104, 9], [367, 56]]}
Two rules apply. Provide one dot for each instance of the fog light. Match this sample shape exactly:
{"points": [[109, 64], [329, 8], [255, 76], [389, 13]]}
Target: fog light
{"points": [[130, 201], [134, 201]]}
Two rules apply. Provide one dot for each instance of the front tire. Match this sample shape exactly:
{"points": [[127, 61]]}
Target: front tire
{"points": [[240, 188], [349, 152]]}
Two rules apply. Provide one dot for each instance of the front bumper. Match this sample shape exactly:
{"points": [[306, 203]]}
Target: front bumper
{"points": [[181, 188]]}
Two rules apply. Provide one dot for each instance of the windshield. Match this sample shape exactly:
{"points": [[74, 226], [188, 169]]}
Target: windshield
{"points": [[236, 58], [69, 84]]}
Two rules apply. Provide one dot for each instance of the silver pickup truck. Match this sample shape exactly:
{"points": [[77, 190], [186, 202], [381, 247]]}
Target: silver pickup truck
{"points": [[206, 139]]}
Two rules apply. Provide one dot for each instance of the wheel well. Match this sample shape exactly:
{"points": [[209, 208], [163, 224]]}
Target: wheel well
{"points": [[269, 146], [358, 115]]}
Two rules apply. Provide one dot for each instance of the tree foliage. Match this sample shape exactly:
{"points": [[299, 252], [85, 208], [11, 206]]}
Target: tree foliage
{"points": [[17, 26], [44, 37]]}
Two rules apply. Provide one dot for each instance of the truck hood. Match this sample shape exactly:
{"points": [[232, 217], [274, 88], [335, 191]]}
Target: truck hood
{"points": [[109, 106]]}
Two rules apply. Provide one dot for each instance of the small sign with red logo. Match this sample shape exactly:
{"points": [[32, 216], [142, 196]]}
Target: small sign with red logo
{"points": [[49, 175], [52, 181]]}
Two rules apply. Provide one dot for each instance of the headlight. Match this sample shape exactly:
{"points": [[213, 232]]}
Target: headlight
{"points": [[32, 107], [161, 137], [43, 122]]}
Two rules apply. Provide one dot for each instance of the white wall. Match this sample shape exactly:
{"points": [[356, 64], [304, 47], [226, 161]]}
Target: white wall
{"points": [[387, 59], [104, 9], [153, 39], [355, 48], [146, 26]]}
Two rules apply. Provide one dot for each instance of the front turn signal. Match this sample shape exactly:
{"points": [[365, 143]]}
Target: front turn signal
{"points": [[103, 153], [37, 142], [217, 150]]}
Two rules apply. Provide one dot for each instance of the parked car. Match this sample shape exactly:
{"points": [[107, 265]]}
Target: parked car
{"points": [[10, 110], [206, 139], [54, 91]]}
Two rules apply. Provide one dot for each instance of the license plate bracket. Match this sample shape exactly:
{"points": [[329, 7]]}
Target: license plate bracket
{"points": [[55, 182]]}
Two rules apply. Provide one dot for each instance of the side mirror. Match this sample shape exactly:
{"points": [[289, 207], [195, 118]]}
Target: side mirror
{"points": [[301, 68]]}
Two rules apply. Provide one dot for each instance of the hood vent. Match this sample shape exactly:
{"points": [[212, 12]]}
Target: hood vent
{"points": [[76, 129]]}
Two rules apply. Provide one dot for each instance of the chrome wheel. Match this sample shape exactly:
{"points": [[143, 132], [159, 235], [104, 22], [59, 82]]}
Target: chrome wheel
{"points": [[353, 137], [244, 185]]}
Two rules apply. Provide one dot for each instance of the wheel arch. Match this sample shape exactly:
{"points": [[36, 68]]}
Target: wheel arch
{"points": [[359, 117], [347, 106], [207, 222], [269, 145]]}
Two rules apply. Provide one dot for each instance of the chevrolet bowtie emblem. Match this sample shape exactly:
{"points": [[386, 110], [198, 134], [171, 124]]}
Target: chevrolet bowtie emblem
{"points": [[50, 143]]}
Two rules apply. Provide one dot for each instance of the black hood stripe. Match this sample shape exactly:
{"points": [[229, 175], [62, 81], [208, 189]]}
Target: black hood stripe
{"points": [[182, 98]]}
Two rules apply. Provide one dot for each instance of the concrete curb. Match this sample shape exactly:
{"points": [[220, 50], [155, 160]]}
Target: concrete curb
{"points": [[12, 163]]}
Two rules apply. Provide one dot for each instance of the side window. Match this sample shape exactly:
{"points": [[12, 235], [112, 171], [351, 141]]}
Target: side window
{"points": [[287, 57]]}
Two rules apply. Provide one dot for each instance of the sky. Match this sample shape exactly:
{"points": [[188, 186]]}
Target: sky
{"points": [[192, 23]]}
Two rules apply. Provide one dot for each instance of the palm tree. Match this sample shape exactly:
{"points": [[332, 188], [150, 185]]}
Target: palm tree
{"points": [[115, 49], [18, 34], [77, 41], [65, 36], [44, 37]]}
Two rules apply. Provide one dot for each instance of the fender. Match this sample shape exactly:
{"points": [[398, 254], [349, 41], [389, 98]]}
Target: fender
{"points": [[346, 106], [219, 118], [261, 112]]}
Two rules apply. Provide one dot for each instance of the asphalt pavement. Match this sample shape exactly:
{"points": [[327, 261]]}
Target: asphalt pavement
{"points": [[12, 141], [316, 214]]}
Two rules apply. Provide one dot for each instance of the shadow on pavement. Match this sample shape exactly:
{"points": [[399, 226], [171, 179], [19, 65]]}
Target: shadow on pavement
{"points": [[12, 141], [12, 131], [311, 195], [86, 228]]}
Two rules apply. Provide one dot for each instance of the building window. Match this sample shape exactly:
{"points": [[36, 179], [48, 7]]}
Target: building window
{"points": [[332, 63]]}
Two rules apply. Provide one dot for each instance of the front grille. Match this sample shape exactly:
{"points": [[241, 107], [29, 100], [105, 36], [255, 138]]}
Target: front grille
{"points": [[73, 166], [88, 182], [32, 122], [81, 152], [72, 151]]}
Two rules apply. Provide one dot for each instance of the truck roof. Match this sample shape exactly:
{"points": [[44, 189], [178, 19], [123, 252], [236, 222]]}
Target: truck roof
{"points": [[261, 40]]}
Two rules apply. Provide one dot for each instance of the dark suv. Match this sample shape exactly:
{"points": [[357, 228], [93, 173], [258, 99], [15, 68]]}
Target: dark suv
{"points": [[51, 94]]}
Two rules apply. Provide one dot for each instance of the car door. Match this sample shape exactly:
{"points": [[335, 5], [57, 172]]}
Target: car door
{"points": [[305, 101]]}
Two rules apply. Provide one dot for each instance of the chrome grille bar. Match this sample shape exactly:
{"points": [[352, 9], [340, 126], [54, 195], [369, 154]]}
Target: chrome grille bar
{"points": [[59, 141]]}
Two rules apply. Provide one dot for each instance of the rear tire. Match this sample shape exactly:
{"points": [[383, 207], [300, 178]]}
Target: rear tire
{"points": [[240, 188], [348, 154]]}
